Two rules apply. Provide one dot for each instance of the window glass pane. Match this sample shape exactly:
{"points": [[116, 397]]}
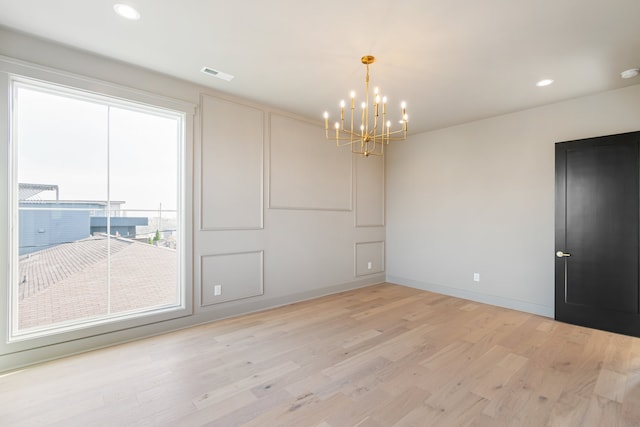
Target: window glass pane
{"points": [[144, 268], [143, 151], [97, 209], [65, 282], [62, 141]]}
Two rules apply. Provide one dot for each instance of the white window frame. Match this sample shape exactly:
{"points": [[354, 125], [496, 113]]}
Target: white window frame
{"points": [[16, 72]]}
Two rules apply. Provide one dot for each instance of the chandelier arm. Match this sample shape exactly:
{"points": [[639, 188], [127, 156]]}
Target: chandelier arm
{"points": [[349, 133], [344, 143], [379, 137], [353, 107], [343, 139], [367, 154], [395, 132], [375, 119]]}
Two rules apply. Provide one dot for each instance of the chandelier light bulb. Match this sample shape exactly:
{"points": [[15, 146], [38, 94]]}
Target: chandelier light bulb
{"points": [[384, 99], [337, 125], [342, 104], [326, 115], [352, 94]]}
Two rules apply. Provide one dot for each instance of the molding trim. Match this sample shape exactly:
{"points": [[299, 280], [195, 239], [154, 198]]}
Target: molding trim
{"points": [[383, 195], [19, 68], [540, 310], [270, 205], [222, 301], [383, 258], [200, 172]]}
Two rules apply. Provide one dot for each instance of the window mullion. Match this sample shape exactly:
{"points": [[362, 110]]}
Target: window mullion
{"points": [[108, 141]]}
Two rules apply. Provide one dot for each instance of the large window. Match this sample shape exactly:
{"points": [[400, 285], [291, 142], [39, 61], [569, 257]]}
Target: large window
{"points": [[97, 211]]}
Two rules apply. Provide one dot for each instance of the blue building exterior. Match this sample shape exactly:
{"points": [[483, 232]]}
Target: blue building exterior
{"points": [[120, 225], [43, 224]]}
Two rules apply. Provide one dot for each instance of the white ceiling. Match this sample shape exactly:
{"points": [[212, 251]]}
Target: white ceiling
{"points": [[453, 61]]}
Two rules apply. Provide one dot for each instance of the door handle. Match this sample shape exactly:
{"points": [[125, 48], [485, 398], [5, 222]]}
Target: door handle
{"points": [[561, 254]]}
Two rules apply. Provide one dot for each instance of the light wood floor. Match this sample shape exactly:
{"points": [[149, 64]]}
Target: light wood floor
{"points": [[381, 356]]}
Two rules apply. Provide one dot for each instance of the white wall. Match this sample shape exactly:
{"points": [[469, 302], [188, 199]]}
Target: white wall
{"points": [[305, 243], [479, 198]]}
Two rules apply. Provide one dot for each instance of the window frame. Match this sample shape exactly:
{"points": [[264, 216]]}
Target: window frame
{"points": [[15, 72]]}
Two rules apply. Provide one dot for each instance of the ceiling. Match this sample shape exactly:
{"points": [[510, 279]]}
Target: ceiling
{"points": [[452, 61]]}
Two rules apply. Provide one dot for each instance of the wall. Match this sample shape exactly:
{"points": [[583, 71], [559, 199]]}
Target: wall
{"points": [[43, 229], [479, 198], [277, 214]]}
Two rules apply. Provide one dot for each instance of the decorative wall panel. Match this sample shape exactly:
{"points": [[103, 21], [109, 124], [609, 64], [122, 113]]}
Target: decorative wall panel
{"points": [[369, 172], [369, 258], [306, 170], [232, 165], [229, 277]]}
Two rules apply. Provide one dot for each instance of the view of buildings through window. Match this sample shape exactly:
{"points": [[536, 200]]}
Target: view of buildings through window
{"points": [[96, 188]]}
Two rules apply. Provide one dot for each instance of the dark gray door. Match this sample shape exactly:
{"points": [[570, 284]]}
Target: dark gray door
{"points": [[597, 232]]}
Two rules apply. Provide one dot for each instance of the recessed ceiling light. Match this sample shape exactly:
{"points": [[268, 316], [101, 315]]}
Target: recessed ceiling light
{"points": [[126, 11], [631, 73], [544, 82], [216, 73]]}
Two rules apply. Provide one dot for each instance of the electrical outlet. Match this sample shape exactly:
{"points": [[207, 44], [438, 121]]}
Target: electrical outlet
{"points": [[369, 265], [217, 290], [476, 277]]}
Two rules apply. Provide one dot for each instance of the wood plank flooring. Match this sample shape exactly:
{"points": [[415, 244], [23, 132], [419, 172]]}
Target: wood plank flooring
{"points": [[384, 355]]}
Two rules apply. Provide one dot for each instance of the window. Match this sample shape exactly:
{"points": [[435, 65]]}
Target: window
{"points": [[97, 212]]}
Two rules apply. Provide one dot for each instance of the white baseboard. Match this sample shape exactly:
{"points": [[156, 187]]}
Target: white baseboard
{"points": [[513, 304]]}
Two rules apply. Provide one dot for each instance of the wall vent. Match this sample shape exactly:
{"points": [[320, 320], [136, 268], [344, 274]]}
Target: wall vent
{"points": [[215, 73]]}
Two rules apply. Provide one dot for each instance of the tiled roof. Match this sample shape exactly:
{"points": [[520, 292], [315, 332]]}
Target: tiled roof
{"points": [[27, 191], [68, 281], [39, 270]]}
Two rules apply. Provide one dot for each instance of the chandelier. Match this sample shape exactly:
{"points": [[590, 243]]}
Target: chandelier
{"points": [[374, 130]]}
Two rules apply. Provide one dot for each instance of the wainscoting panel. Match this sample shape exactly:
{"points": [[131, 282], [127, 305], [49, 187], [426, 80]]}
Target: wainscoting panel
{"points": [[369, 191], [369, 258], [232, 135], [237, 276], [306, 170]]}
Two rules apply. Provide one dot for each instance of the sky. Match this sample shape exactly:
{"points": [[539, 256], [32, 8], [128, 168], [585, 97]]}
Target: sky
{"points": [[88, 148]]}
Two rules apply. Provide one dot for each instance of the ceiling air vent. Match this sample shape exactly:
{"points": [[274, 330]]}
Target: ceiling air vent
{"points": [[216, 73]]}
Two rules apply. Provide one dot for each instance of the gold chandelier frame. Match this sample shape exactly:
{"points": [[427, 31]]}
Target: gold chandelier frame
{"points": [[372, 135]]}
